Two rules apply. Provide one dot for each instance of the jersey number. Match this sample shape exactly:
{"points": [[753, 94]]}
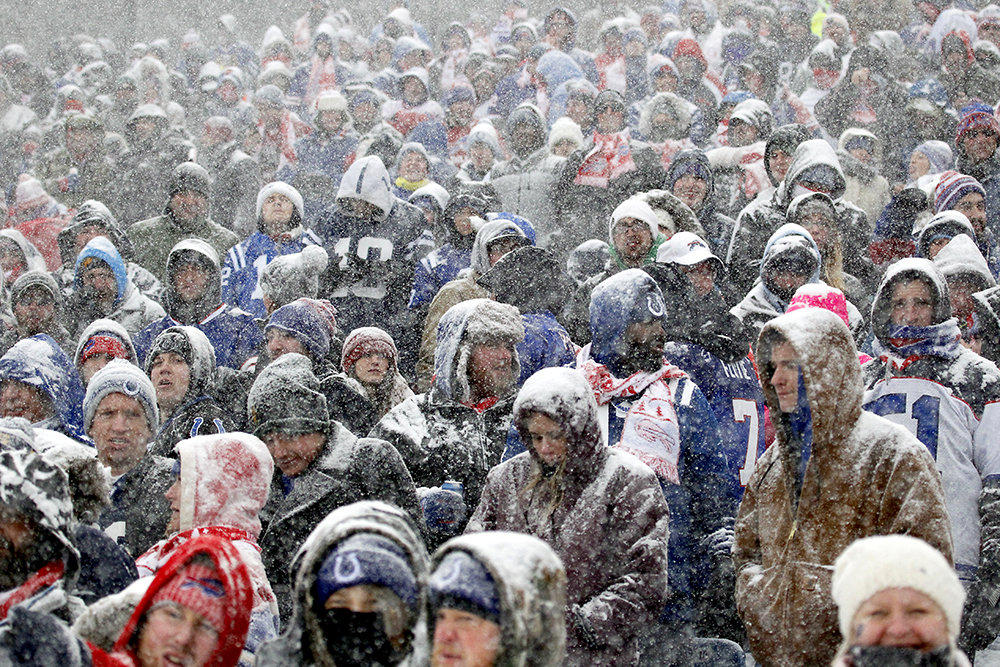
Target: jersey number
{"points": [[744, 409], [924, 411]]}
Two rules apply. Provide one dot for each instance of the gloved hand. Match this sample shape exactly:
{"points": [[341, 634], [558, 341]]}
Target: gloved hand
{"points": [[980, 618]]}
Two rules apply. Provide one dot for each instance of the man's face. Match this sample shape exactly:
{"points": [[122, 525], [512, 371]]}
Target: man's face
{"points": [[330, 120], [524, 138], [365, 113], [497, 249], [281, 342], [691, 190], [741, 134], [188, 205], [644, 345], [911, 304], [81, 141], [293, 453], [460, 113], [102, 280], [701, 275], [413, 167], [18, 399], [413, 90], [463, 639], [578, 112], [481, 156], [120, 432], [610, 119], [357, 208], [34, 310], [463, 220], [960, 293], [919, 165], [785, 376], [973, 206], [171, 377], [491, 370], [559, 28], [632, 239], [94, 363], [277, 212], [190, 281], [176, 635], [980, 144]]}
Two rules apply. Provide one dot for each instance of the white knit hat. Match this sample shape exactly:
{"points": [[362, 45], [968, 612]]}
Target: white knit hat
{"points": [[282, 189], [565, 128], [873, 564], [634, 208]]}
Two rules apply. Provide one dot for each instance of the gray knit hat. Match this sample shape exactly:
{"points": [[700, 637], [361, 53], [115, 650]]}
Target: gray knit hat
{"points": [[286, 397], [121, 377]]}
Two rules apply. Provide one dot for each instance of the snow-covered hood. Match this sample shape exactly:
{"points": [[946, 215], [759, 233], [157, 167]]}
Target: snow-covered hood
{"points": [[811, 153], [225, 480], [556, 68], [192, 344], [93, 213], [486, 234], [830, 369], [40, 362], [213, 291], [101, 248], [105, 326], [962, 258], [779, 243], [531, 582], [459, 329], [367, 179], [702, 166], [854, 133], [911, 268], [671, 105], [624, 298], [33, 260], [362, 517], [950, 223]]}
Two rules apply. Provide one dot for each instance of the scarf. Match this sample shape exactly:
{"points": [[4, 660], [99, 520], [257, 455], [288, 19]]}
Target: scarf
{"points": [[651, 431], [909, 343], [667, 149], [322, 78], [610, 157], [40, 580], [283, 138], [410, 186]]}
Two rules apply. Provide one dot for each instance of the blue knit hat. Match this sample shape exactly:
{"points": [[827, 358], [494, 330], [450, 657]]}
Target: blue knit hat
{"points": [[366, 558], [952, 187], [462, 582], [299, 319]]}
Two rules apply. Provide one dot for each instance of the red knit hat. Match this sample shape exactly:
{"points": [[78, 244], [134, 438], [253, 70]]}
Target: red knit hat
{"points": [[199, 588], [364, 341]]}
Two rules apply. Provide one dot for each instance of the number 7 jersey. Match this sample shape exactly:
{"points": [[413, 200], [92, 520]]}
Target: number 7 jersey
{"points": [[953, 407]]}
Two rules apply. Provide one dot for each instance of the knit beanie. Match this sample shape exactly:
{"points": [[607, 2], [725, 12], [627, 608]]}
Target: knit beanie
{"points": [[121, 377], [281, 188], [300, 319], [952, 187], [190, 177], [367, 340], [565, 128], [286, 397], [462, 582], [367, 558], [35, 278], [820, 295], [873, 564], [199, 588], [976, 115], [634, 208], [290, 277], [104, 343]]}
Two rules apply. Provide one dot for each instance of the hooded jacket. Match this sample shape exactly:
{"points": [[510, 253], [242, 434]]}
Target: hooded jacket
{"points": [[532, 592], [234, 579], [371, 283], [864, 476], [198, 413], [302, 641], [224, 483], [438, 434], [131, 308], [40, 363], [718, 227], [948, 396], [865, 187], [756, 223], [961, 259], [602, 513], [233, 332]]}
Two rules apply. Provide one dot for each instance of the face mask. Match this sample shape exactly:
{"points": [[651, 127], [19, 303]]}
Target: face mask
{"points": [[892, 656], [355, 639]]}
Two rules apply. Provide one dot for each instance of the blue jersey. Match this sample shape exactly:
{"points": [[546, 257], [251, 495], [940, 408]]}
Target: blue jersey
{"points": [[233, 333], [433, 271], [245, 264], [734, 394]]}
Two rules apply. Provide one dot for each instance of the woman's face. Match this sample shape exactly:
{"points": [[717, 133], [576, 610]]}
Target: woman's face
{"points": [[371, 368], [547, 439], [919, 166], [900, 617]]}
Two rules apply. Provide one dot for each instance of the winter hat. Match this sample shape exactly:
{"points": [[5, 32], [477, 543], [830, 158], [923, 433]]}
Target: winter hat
{"points": [[290, 277], [286, 397], [300, 319], [462, 582], [757, 113], [565, 129], [822, 174], [873, 564], [952, 187], [367, 558], [193, 345], [190, 176], [444, 511], [281, 188], [976, 115], [197, 587], [945, 225], [35, 278], [793, 253], [269, 95], [104, 343], [458, 94], [819, 295], [29, 195], [431, 193], [938, 153], [634, 208], [121, 377], [367, 340], [686, 249], [333, 101]]}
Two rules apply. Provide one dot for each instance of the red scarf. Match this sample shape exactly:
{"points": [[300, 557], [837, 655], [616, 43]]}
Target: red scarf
{"points": [[40, 580], [322, 78], [610, 157]]}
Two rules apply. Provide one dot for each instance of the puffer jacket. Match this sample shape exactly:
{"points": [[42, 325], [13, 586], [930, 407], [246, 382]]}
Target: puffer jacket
{"points": [[603, 514], [864, 476], [302, 642]]}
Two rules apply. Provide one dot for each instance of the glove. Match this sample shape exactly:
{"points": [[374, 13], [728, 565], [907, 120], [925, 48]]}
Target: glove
{"points": [[980, 618], [720, 543]]}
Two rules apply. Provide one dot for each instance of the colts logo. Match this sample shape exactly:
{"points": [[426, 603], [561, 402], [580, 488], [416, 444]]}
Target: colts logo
{"points": [[347, 568], [655, 305], [451, 576]]}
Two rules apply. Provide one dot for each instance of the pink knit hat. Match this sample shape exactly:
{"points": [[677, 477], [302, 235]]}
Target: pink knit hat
{"points": [[819, 295]]}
